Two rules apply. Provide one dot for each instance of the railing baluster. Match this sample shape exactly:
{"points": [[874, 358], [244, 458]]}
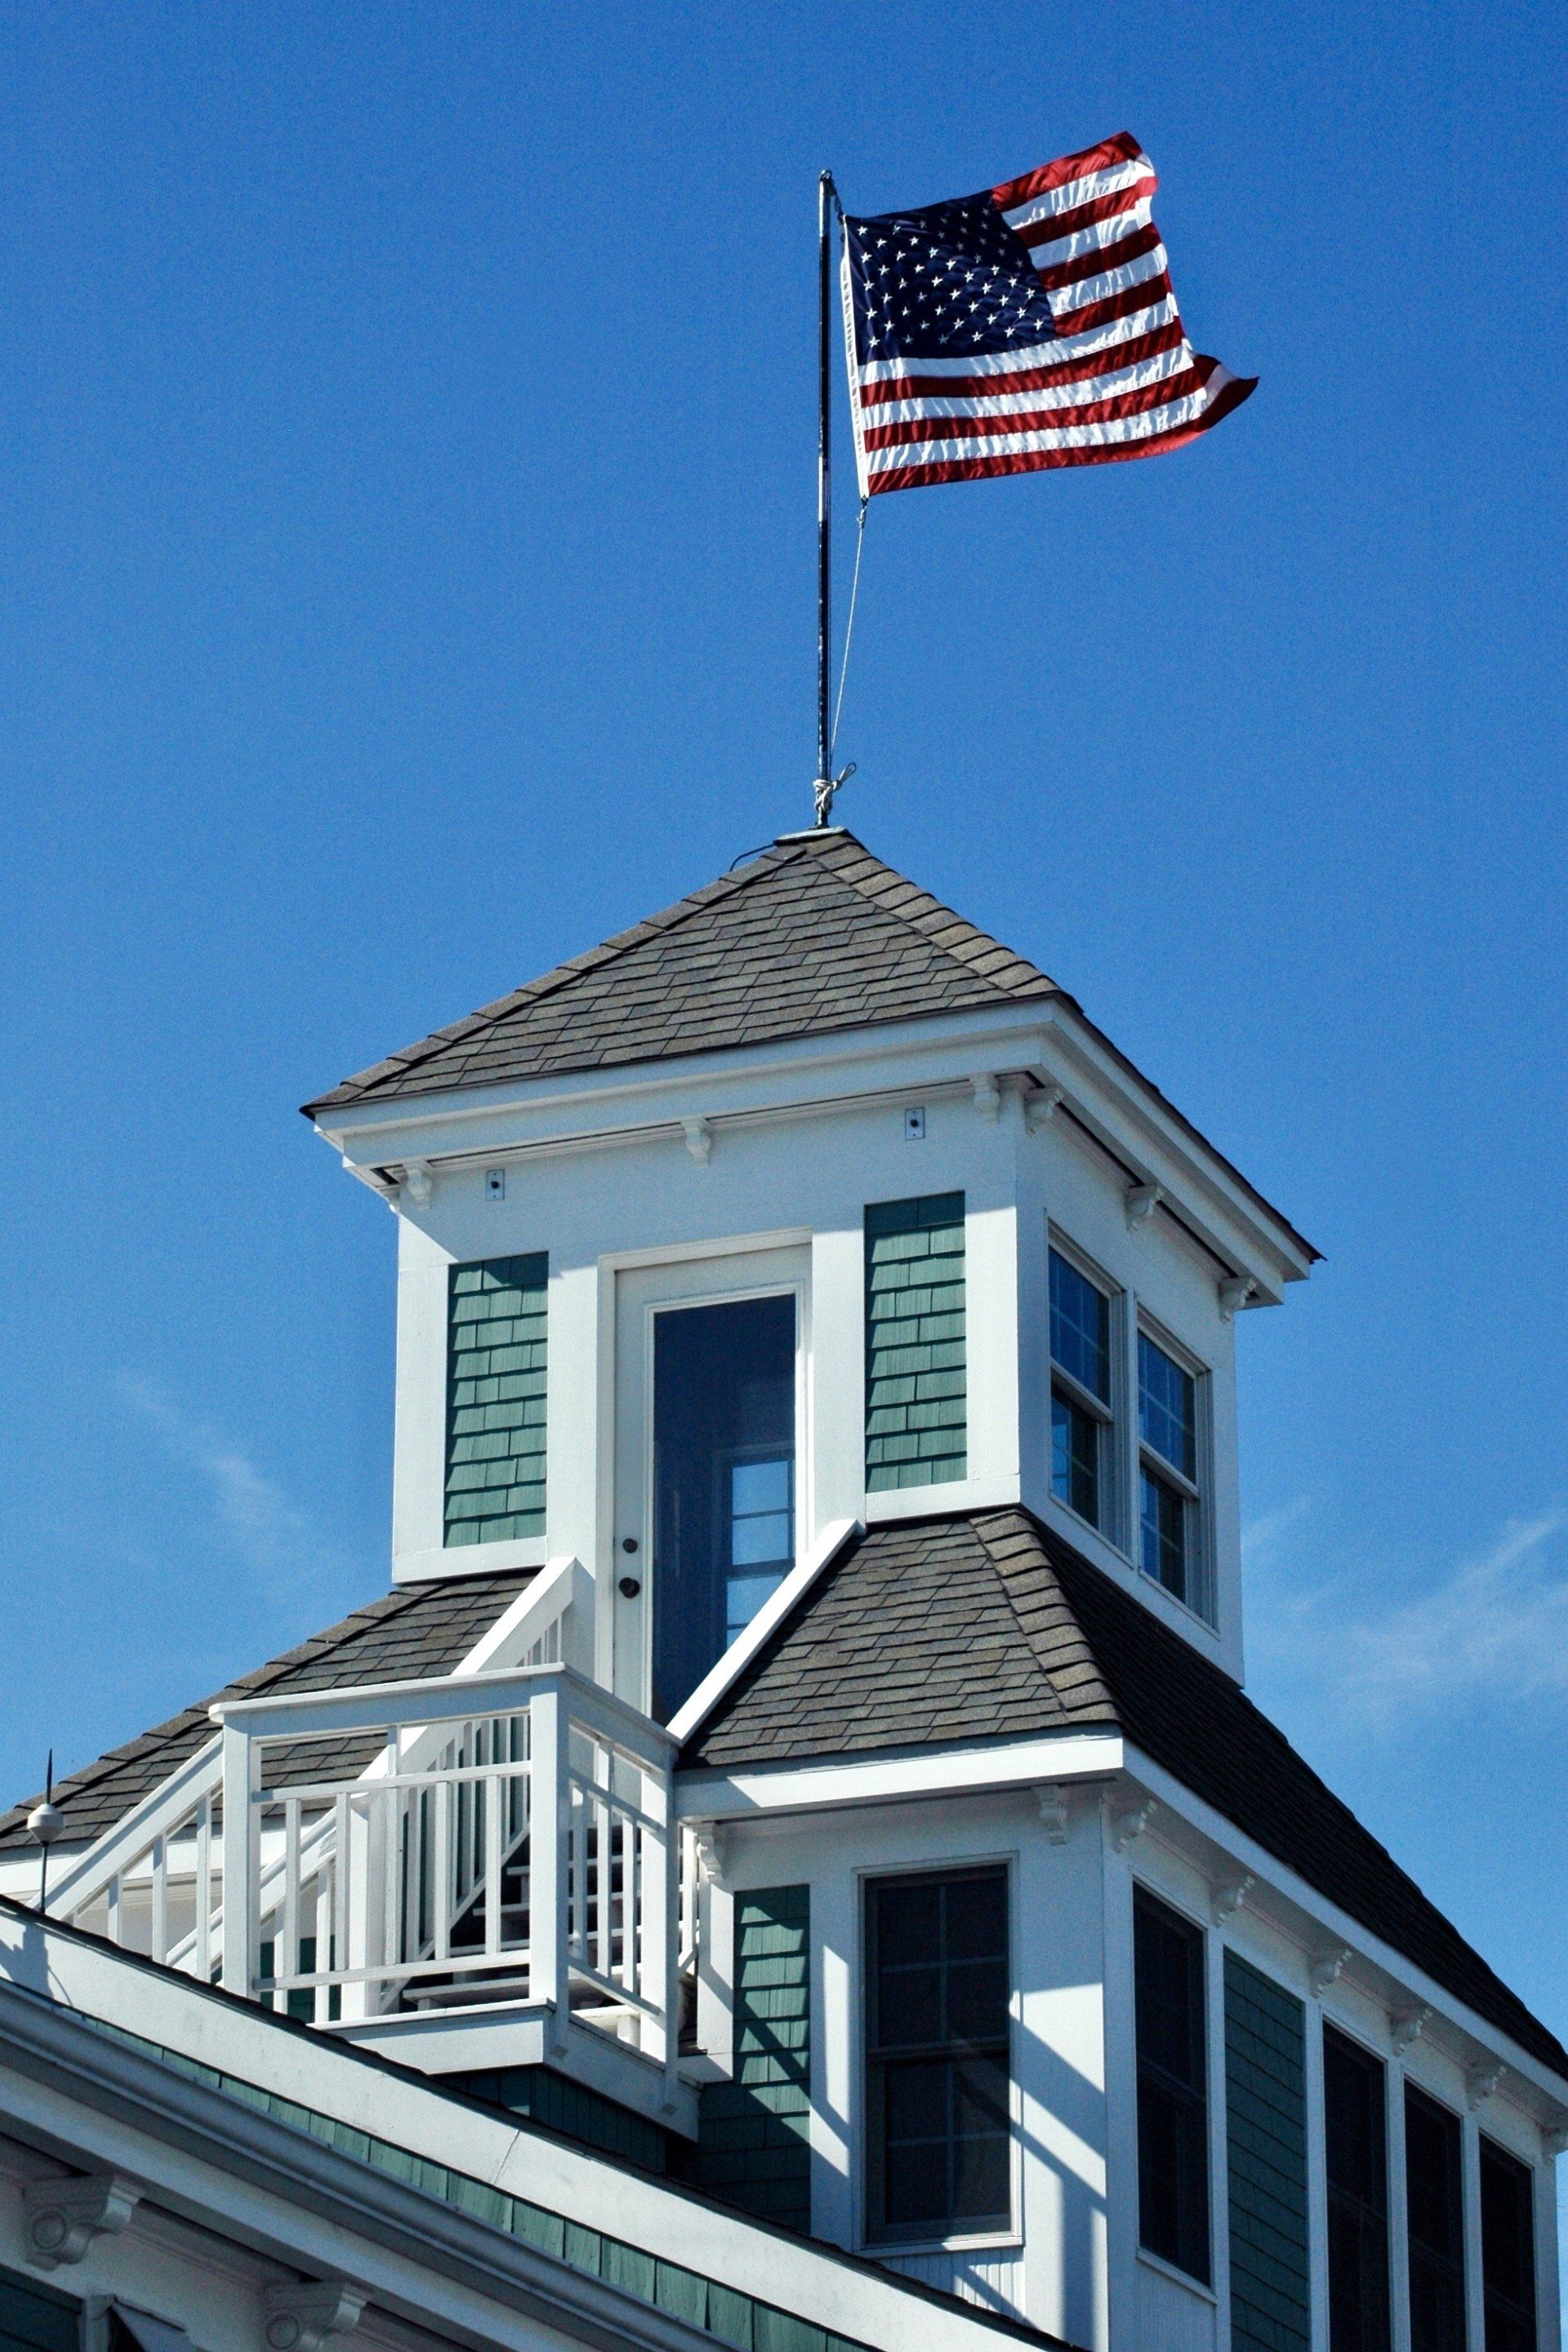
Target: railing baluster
{"points": [[491, 1785], [113, 1896], [160, 1899], [443, 1897], [202, 1951], [241, 1875], [285, 1950]]}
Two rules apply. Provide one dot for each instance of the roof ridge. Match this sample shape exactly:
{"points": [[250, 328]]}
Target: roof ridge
{"points": [[875, 879], [1020, 1524]]}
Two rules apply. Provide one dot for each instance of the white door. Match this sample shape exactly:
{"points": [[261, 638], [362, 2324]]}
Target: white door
{"points": [[711, 1484]]}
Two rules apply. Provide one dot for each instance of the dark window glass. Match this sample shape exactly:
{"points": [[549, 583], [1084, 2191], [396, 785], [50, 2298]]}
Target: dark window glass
{"points": [[1167, 1407], [1081, 1328], [1355, 2134], [1435, 2209], [937, 2059], [1074, 1457], [724, 1472], [1173, 2087], [1508, 2249], [1162, 1529]]}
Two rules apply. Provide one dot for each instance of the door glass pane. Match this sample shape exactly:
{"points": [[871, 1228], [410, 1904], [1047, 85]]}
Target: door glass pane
{"points": [[723, 1504]]}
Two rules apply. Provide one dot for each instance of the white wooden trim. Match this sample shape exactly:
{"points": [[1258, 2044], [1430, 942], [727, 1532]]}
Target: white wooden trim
{"points": [[789, 1789]]}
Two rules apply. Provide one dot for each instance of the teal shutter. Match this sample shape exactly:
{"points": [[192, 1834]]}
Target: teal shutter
{"points": [[36, 2318], [753, 2147], [495, 1400], [1265, 2132], [916, 1408]]}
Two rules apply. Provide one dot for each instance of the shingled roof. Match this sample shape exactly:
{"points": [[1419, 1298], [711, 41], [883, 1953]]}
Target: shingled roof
{"points": [[814, 934], [988, 1626], [407, 1635]]}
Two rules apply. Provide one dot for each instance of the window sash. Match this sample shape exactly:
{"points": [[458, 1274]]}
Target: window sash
{"points": [[1435, 2223], [1158, 1373], [954, 2178], [1355, 2137], [1172, 2055], [1508, 2249]]}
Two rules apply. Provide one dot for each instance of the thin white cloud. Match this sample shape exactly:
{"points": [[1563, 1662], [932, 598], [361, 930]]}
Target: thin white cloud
{"points": [[1492, 1628], [251, 1514]]}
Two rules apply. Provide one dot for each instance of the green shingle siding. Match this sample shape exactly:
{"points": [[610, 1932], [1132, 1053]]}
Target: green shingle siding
{"points": [[753, 2147], [496, 1400], [36, 2318], [742, 2321], [570, 2108], [916, 1401], [1265, 2132]]}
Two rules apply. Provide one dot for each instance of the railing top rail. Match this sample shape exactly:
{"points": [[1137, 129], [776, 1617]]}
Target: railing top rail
{"points": [[445, 1698], [161, 1810]]}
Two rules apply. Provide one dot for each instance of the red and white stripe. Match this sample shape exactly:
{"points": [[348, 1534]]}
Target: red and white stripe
{"points": [[1121, 380]]}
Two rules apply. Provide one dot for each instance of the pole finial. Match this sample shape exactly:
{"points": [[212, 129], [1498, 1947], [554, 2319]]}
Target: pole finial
{"points": [[46, 1822]]}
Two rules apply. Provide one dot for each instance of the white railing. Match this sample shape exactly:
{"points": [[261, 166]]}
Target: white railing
{"points": [[499, 1838], [512, 1842]]}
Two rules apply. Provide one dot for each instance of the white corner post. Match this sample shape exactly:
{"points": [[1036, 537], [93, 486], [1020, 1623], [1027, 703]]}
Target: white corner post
{"points": [[549, 1925], [241, 1874]]}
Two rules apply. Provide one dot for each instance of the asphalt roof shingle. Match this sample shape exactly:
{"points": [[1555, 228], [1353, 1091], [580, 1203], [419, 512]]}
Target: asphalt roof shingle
{"points": [[406, 1635], [988, 1626], [814, 934]]}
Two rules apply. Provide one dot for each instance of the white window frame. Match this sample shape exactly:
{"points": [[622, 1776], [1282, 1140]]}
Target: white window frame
{"points": [[1199, 1599], [957, 2243], [1115, 1514]]}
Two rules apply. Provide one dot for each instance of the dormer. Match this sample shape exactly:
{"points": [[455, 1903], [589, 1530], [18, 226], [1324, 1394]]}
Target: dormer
{"points": [[800, 1205]]}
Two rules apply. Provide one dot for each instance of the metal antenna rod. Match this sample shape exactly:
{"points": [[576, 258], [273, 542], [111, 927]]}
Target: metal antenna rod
{"points": [[824, 196]]}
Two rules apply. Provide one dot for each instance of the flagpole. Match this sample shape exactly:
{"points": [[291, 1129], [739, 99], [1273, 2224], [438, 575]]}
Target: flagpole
{"points": [[824, 787]]}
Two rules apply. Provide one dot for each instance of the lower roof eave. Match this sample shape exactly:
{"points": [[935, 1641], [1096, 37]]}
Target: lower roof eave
{"points": [[1291, 1903], [896, 1776]]}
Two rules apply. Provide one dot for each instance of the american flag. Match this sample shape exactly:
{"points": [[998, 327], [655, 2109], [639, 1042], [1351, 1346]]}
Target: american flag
{"points": [[1031, 325]]}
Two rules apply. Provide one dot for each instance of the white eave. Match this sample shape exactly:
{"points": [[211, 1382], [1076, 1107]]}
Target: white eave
{"points": [[1039, 1044]]}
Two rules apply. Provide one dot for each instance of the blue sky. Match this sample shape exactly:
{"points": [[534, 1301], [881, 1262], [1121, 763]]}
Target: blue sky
{"points": [[406, 556]]}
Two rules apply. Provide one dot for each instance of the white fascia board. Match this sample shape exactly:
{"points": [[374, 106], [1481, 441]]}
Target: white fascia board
{"points": [[770, 1793], [772, 1614], [582, 1104], [1132, 1121], [1309, 1914], [841, 2292]]}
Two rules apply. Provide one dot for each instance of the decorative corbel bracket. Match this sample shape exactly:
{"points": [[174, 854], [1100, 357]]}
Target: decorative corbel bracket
{"points": [[1129, 1820], [1054, 1819], [699, 1134], [1234, 1293], [1230, 1895], [1408, 2027], [419, 1181], [1555, 2141], [1041, 1107], [1140, 1203], [987, 1098], [708, 1837], [1329, 1967], [1481, 2081], [63, 2215], [302, 2314]]}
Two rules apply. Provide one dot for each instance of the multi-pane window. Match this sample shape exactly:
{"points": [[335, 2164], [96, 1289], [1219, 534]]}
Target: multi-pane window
{"points": [[1508, 2249], [937, 2070], [495, 1400], [1435, 2224], [1168, 1471], [723, 1479], [1356, 2144], [1081, 1426], [916, 1412], [1173, 2086]]}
